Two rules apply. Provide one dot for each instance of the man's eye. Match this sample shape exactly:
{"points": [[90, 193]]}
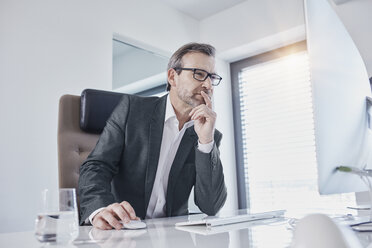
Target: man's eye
{"points": [[200, 73]]}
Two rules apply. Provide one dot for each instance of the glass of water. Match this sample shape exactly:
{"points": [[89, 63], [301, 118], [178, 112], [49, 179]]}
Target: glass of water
{"points": [[57, 221]]}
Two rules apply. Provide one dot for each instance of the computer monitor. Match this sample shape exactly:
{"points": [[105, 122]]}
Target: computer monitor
{"points": [[340, 86]]}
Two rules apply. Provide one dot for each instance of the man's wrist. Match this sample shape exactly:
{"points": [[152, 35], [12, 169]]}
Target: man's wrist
{"points": [[92, 215], [206, 141]]}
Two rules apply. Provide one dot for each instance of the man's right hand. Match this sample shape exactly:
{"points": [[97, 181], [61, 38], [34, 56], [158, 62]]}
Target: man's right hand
{"points": [[111, 216]]}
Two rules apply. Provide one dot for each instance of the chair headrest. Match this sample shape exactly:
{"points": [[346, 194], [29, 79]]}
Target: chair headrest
{"points": [[96, 107]]}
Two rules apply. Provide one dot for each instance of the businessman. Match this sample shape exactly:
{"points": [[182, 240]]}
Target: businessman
{"points": [[154, 150]]}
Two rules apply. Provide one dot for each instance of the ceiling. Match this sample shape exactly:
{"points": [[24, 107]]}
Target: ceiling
{"points": [[201, 9]]}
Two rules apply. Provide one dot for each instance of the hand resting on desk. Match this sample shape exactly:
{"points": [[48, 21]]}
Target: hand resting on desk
{"points": [[111, 216]]}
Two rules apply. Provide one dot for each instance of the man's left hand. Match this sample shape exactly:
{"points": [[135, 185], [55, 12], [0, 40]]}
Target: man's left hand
{"points": [[204, 120]]}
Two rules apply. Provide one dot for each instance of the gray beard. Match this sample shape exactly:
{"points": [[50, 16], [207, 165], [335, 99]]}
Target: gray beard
{"points": [[188, 99]]}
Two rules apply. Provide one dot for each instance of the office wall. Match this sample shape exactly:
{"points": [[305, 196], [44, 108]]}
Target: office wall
{"points": [[51, 48], [250, 21]]}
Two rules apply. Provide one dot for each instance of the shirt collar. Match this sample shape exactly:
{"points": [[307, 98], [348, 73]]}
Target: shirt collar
{"points": [[169, 111]]}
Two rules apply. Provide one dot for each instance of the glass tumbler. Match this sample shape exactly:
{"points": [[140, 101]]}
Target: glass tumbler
{"points": [[57, 221]]}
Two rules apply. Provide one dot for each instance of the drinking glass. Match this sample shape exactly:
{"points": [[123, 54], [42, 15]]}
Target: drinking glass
{"points": [[57, 221]]}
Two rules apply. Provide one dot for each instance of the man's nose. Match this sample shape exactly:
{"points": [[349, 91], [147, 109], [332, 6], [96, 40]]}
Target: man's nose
{"points": [[207, 83]]}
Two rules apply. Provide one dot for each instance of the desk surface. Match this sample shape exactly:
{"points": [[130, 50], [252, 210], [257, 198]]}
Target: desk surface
{"points": [[163, 233]]}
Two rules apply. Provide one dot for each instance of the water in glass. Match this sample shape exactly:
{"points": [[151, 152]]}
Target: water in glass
{"points": [[58, 220]]}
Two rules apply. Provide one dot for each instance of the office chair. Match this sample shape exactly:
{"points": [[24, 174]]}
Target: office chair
{"points": [[80, 121], [320, 231]]}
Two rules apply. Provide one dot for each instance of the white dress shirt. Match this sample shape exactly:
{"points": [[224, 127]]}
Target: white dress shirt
{"points": [[171, 140]]}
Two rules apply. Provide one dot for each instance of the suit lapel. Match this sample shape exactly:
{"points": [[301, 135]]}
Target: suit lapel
{"points": [[155, 137], [188, 141]]}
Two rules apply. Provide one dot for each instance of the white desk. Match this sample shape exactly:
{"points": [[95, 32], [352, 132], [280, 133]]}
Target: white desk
{"points": [[162, 233]]}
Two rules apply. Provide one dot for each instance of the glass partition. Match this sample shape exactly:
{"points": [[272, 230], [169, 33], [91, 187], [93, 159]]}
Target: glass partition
{"points": [[138, 71]]}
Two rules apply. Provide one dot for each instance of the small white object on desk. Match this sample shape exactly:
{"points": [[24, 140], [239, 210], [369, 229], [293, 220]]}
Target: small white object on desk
{"points": [[319, 230], [134, 224]]}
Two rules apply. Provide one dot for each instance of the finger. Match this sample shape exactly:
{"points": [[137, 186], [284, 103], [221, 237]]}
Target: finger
{"points": [[196, 108], [101, 224], [207, 100], [121, 213], [205, 112], [199, 117], [129, 209], [199, 113], [109, 218]]}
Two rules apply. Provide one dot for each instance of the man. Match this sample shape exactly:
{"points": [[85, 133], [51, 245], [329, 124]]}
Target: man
{"points": [[154, 150]]}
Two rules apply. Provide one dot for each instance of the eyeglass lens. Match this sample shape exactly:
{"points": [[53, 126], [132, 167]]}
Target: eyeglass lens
{"points": [[202, 75]]}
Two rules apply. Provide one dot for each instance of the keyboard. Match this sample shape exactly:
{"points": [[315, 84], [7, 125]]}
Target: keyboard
{"points": [[219, 221]]}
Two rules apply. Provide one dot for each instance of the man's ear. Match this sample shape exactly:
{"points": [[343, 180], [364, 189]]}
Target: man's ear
{"points": [[171, 77]]}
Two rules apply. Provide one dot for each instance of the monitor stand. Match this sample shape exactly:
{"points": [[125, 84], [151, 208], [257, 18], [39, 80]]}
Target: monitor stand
{"points": [[365, 175]]}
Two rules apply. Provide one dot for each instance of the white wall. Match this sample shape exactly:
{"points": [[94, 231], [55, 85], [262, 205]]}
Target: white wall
{"points": [[251, 21], [51, 48]]}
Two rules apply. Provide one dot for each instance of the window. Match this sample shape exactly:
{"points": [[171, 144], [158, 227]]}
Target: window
{"points": [[274, 132]]}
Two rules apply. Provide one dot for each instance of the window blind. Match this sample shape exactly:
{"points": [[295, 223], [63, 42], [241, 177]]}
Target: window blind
{"points": [[280, 169]]}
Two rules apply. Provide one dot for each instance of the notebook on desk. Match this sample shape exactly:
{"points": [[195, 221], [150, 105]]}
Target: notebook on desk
{"points": [[211, 221]]}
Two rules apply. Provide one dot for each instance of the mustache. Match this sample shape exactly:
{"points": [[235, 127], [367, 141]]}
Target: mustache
{"points": [[208, 92]]}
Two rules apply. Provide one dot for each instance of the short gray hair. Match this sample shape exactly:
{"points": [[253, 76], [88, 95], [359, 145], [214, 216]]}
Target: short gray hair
{"points": [[176, 60]]}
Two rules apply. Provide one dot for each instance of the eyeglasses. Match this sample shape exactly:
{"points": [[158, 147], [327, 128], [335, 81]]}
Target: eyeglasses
{"points": [[201, 75]]}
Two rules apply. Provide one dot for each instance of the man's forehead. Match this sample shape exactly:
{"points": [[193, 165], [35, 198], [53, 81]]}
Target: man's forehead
{"points": [[199, 60]]}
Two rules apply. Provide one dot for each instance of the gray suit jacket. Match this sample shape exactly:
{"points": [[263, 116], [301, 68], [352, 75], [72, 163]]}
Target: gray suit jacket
{"points": [[123, 164]]}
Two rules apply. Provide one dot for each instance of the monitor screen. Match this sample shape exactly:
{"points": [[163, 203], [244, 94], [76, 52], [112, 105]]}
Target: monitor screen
{"points": [[340, 86]]}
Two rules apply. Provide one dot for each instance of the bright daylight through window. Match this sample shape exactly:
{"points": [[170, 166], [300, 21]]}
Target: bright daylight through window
{"points": [[277, 125]]}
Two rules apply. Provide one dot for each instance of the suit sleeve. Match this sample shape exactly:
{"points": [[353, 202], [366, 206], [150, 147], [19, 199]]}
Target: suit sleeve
{"points": [[210, 190], [97, 171]]}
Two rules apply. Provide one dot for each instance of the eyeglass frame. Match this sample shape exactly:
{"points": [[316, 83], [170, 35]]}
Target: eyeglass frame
{"points": [[193, 74]]}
